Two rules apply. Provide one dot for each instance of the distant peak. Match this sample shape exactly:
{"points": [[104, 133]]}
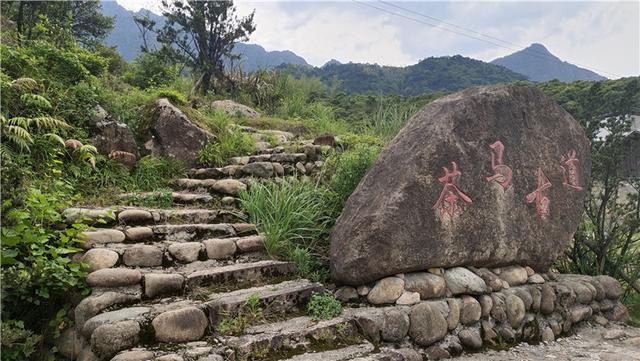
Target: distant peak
{"points": [[538, 48]]}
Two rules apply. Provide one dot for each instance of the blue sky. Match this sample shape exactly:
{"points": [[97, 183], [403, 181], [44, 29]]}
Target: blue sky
{"points": [[602, 36]]}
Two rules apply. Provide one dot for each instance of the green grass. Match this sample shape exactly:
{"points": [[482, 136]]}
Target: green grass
{"points": [[324, 306]]}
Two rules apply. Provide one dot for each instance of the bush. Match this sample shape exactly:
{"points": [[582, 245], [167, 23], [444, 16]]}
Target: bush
{"points": [[230, 141], [348, 168], [18, 344], [151, 70], [151, 173], [292, 216], [324, 306]]}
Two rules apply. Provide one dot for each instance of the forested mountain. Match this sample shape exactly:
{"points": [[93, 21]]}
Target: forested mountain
{"points": [[126, 36], [446, 73], [538, 64]]}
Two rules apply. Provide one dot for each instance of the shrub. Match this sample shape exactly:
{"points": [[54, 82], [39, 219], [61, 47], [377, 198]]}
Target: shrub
{"points": [[18, 343], [159, 198], [324, 306], [151, 69], [151, 173], [348, 168], [230, 141]]}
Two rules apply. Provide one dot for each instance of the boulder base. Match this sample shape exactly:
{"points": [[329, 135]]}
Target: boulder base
{"points": [[487, 177]]}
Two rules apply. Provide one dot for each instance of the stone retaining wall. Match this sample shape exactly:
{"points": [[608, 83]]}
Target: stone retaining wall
{"points": [[448, 311]]}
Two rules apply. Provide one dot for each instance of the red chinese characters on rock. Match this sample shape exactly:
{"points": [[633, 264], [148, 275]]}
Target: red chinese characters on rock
{"points": [[542, 202], [447, 203], [570, 171], [502, 173]]}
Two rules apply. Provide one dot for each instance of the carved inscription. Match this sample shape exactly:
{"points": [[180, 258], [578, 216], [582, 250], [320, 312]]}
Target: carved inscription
{"points": [[447, 203], [570, 171], [502, 173], [542, 202]]}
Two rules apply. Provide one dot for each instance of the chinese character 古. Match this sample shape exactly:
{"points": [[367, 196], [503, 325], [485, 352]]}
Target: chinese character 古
{"points": [[542, 202]]}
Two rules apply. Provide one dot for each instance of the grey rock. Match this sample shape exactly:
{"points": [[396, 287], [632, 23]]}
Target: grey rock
{"points": [[547, 334], [101, 236], [611, 286], [408, 298], [99, 258], [514, 275], [220, 248], [183, 325], [535, 279], [156, 284], [170, 357], [486, 304], [185, 252], [462, 281], [113, 277], [346, 294], [93, 305], [536, 298], [386, 290], [231, 187], [515, 310], [143, 256], [547, 300], [136, 234], [125, 314], [170, 133], [580, 313], [363, 290], [471, 310], [69, 344], [426, 284], [134, 216], [395, 326], [250, 244], [488, 223], [109, 339], [234, 109], [134, 356], [499, 310], [427, 324], [259, 169], [453, 315], [470, 338]]}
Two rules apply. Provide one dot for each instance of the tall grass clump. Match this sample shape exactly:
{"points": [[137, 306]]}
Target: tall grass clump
{"points": [[292, 216], [388, 119], [346, 169], [230, 141]]}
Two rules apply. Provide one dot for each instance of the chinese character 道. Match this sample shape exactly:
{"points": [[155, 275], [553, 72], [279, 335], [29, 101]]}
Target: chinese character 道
{"points": [[448, 201], [570, 171]]}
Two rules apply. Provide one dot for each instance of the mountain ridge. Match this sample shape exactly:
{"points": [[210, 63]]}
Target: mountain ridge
{"points": [[540, 65]]}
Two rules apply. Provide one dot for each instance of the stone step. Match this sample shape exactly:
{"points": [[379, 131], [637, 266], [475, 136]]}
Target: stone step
{"points": [[237, 275], [181, 320], [292, 337], [219, 187], [282, 298], [169, 254], [340, 354], [186, 198], [125, 215], [164, 233], [253, 169], [198, 279]]}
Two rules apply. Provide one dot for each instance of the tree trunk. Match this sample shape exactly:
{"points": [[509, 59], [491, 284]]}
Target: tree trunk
{"points": [[205, 82]]}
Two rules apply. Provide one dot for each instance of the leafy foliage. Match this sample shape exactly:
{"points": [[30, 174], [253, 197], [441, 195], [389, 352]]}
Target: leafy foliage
{"points": [[324, 306], [249, 313], [151, 70], [18, 343]]}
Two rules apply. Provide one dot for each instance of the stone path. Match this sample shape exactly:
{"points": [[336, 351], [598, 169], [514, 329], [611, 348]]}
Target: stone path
{"points": [[589, 343]]}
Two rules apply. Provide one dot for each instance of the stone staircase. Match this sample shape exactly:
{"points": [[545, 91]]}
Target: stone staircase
{"points": [[163, 280]]}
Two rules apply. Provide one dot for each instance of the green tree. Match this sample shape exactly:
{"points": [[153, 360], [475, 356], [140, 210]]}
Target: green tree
{"points": [[204, 34], [81, 19]]}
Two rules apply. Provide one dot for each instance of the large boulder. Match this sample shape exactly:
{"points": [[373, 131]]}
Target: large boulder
{"points": [[487, 177], [172, 134], [109, 135], [232, 108]]}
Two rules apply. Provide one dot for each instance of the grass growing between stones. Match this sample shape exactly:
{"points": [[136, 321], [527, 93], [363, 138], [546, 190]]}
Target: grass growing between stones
{"points": [[324, 306], [293, 216]]}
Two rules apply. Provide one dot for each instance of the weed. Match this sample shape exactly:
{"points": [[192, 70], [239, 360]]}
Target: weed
{"points": [[160, 198], [324, 306], [249, 313]]}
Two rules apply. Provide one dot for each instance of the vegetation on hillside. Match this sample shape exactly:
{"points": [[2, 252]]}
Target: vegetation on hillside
{"points": [[51, 85]]}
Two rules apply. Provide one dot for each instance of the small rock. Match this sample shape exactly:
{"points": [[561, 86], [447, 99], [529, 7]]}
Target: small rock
{"points": [[363, 290], [600, 320], [136, 234], [346, 294], [133, 216], [101, 236], [99, 258], [614, 334], [547, 300], [408, 298], [134, 356], [462, 281], [185, 252], [619, 313], [183, 325], [486, 304], [470, 338], [109, 339], [580, 313], [395, 325], [428, 285], [278, 169], [453, 316], [611, 286], [229, 186], [386, 290], [170, 357], [427, 324], [530, 271], [123, 314], [471, 311], [197, 351], [162, 284], [220, 248], [227, 201], [143, 256], [259, 169], [535, 279], [250, 244], [113, 277], [515, 310], [300, 168], [514, 275], [547, 334], [437, 353]]}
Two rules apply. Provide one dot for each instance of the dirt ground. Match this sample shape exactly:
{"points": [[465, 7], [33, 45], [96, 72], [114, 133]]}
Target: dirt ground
{"points": [[614, 342]]}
